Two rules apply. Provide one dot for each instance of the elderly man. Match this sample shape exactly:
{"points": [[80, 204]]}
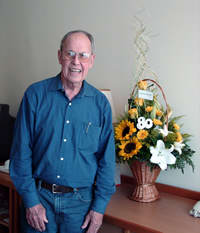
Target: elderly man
{"points": [[62, 157]]}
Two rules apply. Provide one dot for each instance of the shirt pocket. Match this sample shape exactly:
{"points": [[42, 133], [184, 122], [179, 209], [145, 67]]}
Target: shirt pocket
{"points": [[89, 137]]}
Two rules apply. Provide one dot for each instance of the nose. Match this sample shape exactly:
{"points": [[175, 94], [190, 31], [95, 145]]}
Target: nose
{"points": [[76, 60]]}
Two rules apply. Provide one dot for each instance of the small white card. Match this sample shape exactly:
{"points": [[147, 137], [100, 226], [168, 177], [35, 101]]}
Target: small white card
{"points": [[147, 95]]}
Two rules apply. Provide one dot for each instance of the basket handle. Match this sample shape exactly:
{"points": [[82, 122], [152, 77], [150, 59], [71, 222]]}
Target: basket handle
{"points": [[163, 94]]}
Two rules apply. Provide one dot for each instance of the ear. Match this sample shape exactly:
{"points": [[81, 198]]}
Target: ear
{"points": [[59, 56], [91, 61]]}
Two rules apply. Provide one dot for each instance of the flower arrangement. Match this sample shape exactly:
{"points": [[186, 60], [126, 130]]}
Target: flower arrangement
{"points": [[148, 132]]}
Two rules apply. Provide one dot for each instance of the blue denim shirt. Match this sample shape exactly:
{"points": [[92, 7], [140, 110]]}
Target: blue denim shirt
{"points": [[64, 142]]}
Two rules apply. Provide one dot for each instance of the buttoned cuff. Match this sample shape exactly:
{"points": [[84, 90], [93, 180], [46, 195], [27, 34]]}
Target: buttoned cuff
{"points": [[99, 205], [30, 199], [100, 202]]}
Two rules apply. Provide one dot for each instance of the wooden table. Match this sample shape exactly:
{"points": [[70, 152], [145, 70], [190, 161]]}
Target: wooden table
{"points": [[14, 200], [169, 214]]}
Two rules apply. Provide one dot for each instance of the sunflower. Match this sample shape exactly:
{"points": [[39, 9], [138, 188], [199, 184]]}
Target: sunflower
{"points": [[157, 122], [148, 108], [142, 134], [124, 130], [129, 148], [133, 113]]}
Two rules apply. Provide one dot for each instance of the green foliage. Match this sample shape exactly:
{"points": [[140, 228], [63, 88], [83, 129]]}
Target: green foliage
{"points": [[183, 159]]}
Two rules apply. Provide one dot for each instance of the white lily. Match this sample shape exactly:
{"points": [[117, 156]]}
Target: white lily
{"points": [[178, 147], [164, 131], [161, 155]]}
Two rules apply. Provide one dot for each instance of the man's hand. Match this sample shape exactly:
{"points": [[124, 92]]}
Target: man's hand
{"points": [[94, 220], [36, 217]]}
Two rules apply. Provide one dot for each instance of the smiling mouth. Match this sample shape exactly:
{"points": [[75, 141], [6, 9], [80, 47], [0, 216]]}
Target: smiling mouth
{"points": [[74, 70]]}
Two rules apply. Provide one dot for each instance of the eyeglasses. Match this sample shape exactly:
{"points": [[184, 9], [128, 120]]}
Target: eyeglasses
{"points": [[70, 55]]}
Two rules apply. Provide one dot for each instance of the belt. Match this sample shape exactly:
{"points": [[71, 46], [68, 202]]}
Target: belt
{"points": [[54, 188]]}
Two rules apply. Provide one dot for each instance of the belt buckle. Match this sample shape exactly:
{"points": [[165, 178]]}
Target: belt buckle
{"points": [[53, 189]]}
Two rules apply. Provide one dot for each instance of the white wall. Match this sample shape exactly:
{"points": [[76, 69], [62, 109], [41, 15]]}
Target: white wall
{"points": [[31, 32]]}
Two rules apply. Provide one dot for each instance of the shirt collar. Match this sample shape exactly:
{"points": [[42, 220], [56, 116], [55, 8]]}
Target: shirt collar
{"points": [[56, 84], [86, 89]]}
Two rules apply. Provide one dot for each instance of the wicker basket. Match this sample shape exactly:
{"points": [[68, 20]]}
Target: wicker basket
{"points": [[145, 190]]}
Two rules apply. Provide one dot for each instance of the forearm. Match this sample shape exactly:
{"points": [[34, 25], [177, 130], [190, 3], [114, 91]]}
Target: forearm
{"points": [[21, 175], [105, 184], [21, 154]]}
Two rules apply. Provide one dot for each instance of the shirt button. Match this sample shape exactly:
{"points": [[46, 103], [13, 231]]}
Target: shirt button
{"points": [[61, 158], [65, 140], [67, 121], [70, 104], [58, 177]]}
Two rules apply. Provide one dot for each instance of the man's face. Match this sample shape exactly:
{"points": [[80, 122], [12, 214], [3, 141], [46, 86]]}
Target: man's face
{"points": [[74, 59]]}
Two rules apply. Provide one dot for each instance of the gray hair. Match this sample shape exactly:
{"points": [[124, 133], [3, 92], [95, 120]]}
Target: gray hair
{"points": [[89, 36]]}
